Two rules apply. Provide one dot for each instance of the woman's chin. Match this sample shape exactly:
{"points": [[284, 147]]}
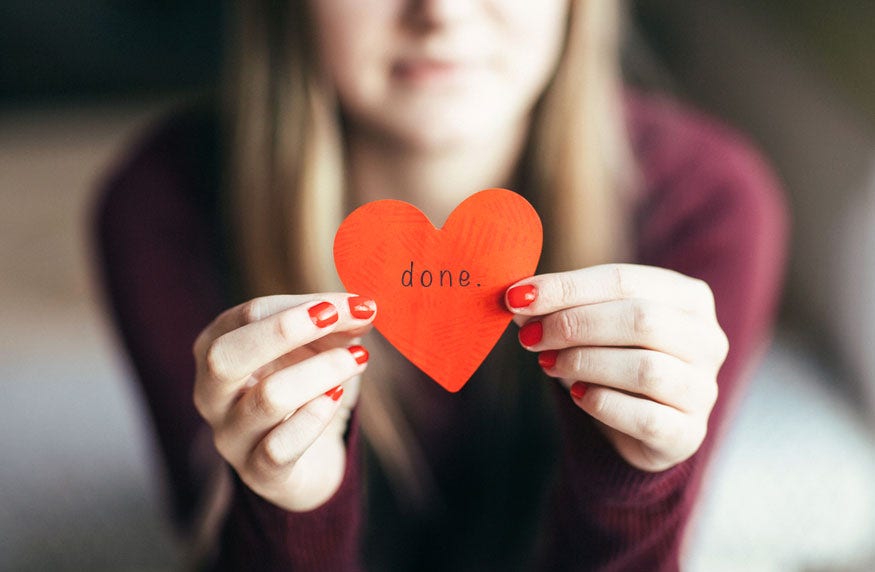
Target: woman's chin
{"points": [[444, 133]]}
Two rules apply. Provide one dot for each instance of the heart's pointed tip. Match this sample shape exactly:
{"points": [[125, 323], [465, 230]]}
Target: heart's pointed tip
{"points": [[452, 382], [452, 386]]}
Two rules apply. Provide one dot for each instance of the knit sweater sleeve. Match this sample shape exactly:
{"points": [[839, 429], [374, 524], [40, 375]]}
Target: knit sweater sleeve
{"points": [[158, 256], [711, 210]]}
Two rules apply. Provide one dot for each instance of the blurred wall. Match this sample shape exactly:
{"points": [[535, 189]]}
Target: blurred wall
{"points": [[88, 48], [801, 86]]}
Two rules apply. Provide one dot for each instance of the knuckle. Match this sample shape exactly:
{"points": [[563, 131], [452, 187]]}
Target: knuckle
{"points": [[692, 435], [275, 452], [252, 310], [568, 326], [284, 327], [314, 418], [622, 283], [718, 348], [700, 432], [266, 398], [567, 287], [722, 345], [339, 361], [707, 392], [643, 321], [703, 291], [650, 428], [712, 392], [284, 446], [599, 402], [581, 362], [648, 375], [216, 360]]}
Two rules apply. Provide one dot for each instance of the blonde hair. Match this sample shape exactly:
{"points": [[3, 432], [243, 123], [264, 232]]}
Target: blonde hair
{"points": [[286, 193]]}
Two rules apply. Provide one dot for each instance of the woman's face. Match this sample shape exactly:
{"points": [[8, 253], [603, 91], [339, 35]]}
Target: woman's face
{"points": [[436, 73]]}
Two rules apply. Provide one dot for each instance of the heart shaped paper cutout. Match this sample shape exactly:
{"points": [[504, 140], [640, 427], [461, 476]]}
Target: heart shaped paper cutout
{"points": [[440, 292]]}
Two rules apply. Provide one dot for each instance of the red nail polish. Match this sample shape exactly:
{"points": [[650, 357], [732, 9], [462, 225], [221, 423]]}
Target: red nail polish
{"points": [[578, 389], [547, 359], [531, 333], [359, 353], [323, 314], [522, 296], [362, 308], [335, 392]]}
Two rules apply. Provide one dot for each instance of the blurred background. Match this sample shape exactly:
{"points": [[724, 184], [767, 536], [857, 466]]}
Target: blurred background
{"points": [[80, 486]]}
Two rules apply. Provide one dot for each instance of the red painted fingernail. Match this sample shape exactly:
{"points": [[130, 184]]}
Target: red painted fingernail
{"points": [[335, 392], [522, 296], [361, 307], [578, 389], [359, 353], [323, 314], [531, 333], [547, 359]]}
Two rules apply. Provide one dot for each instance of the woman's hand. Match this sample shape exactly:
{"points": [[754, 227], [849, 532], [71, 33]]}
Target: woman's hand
{"points": [[639, 347], [270, 376]]}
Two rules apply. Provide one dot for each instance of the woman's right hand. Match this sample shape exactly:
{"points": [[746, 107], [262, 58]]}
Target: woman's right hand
{"points": [[270, 376]]}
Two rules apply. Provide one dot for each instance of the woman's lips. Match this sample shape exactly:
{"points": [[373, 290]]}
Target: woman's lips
{"points": [[431, 71]]}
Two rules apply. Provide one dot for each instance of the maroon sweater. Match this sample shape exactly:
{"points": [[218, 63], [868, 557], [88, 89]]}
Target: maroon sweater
{"points": [[527, 484]]}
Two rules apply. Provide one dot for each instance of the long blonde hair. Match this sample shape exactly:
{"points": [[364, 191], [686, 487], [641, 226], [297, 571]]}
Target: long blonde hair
{"points": [[285, 183]]}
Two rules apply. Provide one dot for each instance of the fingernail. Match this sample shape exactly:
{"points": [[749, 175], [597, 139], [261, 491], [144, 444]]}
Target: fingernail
{"points": [[531, 333], [361, 307], [547, 359], [335, 392], [578, 389], [359, 353], [323, 314], [522, 296]]}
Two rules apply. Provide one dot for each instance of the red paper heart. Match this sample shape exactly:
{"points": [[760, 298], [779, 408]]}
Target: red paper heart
{"points": [[446, 312]]}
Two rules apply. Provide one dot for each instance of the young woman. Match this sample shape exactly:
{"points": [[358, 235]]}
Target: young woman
{"points": [[582, 440]]}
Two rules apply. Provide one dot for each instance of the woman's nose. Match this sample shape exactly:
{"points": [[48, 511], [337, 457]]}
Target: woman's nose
{"points": [[437, 13]]}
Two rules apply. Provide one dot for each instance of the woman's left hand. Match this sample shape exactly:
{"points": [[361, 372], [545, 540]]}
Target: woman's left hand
{"points": [[638, 346]]}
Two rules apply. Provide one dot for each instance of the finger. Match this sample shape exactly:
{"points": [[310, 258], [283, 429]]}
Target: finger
{"points": [[331, 341], [276, 453], [652, 423], [283, 392], [647, 373], [250, 311], [232, 361], [234, 356], [339, 339], [627, 323], [260, 308], [548, 293]]}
